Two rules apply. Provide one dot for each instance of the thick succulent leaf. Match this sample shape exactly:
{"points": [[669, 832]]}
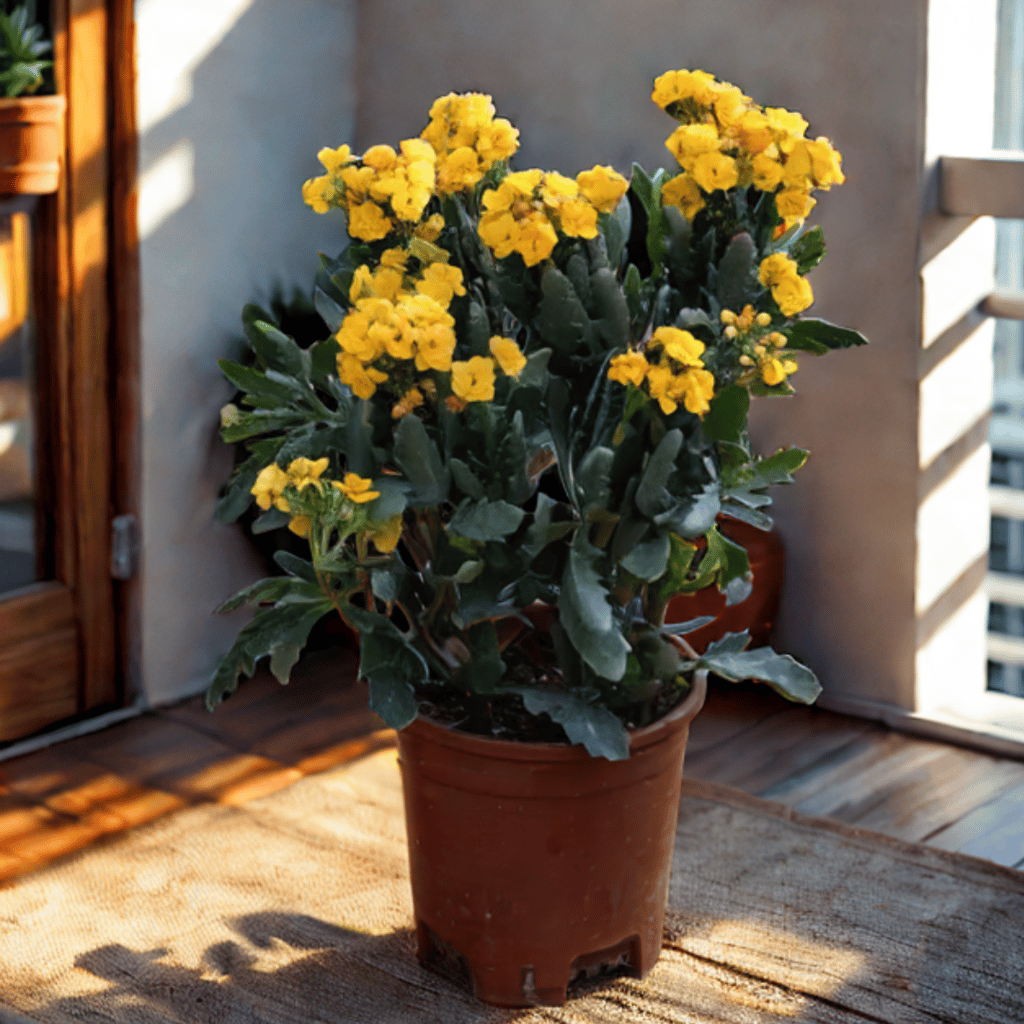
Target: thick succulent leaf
{"points": [[254, 382], [737, 282], [276, 350], [809, 250], [781, 672], [330, 311], [651, 495], [420, 461], [562, 319], [687, 319], [820, 336], [484, 672], [392, 696], [689, 626], [596, 728], [272, 519], [727, 418], [544, 529], [535, 372], [295, 566], [610, 309], [649, 559], [262, 591], [586, 614], [465, 479], [392, 500], [485, 520], [593, 483], [692, 517]]}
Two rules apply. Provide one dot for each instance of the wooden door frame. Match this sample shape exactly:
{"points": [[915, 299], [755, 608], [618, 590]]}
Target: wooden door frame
{"points": [[69, 642]]}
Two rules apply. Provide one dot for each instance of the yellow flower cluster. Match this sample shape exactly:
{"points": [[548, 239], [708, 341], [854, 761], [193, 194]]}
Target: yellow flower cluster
{"points": [[677, 376], [791, 292], [468, 139], [378, 191], [528, 209], [760, 350], [725, 139], [272, 481]]}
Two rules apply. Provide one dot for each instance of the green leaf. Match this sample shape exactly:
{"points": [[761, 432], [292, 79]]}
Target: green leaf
{"points": [[596, 728], [819, 336], [781, 672], [391, 502], [419, 459], [809, 250], [736, 273], [776, 469], [272, 589], [651, 495], [693, 516], [559, 397], [272, 519], [465, 479], [649, 559], [535, 372], [687, 319], [593, 483], [275, 349], [392, 696], [615, 228], [727, 418], [610, 309], [562, 319], [544, 529], [586, 614], [324, 357], [254, 382], [295, 566], [330, 311], [483, 674], [485, 520]]}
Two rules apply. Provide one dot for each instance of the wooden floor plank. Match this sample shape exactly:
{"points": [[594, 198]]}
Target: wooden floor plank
{"points": [[994, 831]]}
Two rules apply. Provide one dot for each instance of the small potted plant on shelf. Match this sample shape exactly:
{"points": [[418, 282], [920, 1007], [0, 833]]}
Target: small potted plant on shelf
{"points": [[30, 125], [507, 458]]}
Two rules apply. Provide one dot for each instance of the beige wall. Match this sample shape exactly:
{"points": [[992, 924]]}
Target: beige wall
{"points": [[235, 98], [575, 78]]}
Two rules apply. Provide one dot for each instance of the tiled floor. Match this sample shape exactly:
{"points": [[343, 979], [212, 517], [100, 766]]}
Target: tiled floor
{"points": [[61, 799]]}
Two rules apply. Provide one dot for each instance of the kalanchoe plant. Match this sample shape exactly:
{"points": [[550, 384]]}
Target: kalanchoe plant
{"points": [[510, 452], [21, 50]]}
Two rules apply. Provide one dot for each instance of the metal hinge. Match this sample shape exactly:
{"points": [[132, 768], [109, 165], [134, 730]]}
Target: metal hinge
{"points": [[124, 547]]}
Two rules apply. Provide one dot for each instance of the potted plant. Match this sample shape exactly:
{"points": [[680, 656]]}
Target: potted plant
{"points": [[30, 125], [507, 459]]}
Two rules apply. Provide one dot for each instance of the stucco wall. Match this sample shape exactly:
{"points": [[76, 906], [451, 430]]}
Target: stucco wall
{"points": [[575, 78], [235, 97]]}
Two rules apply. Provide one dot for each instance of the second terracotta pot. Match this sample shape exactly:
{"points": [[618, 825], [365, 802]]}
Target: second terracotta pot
{"points": [[31, 140], [532, 863], [757, 613]]}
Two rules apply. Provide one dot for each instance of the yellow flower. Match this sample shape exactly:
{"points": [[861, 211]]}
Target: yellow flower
{"points": [[356, 489], [698, 387], [412, 399], [334, 159], [664, 388], [826, 163], [434, 348], [775, 371], [363, 380], [776, 267], [674, 86], [714, 171], [458, 170], [793, 204], [754, 131], [428, 230], [497, 141], [729, 103], [785, 121], [304, 473], [380, 158], [473, 380], [386, 536], [299, 525], [507, 353], [793, 295], [441, 282], [690, 141], [269, 487], [578, 219], [318, 193], [767, 172], [537, 239], [679, 345], [524, 182], [366, 221], [499, 231], [628, 368], [682, 191], [558, 188], [604, 187]]}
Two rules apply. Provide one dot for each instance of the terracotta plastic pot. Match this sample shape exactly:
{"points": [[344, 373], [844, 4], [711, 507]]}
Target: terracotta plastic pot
{"points": [[757, 613], [30, 144], [533, 862]]}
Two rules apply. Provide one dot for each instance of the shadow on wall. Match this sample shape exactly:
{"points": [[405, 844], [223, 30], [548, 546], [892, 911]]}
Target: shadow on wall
{"points": [[235, 97]]}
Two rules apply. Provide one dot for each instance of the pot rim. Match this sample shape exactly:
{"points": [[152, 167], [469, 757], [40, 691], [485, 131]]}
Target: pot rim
{"points": [[509, 750]]}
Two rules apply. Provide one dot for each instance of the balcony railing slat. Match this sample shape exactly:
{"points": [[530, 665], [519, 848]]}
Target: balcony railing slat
{"points": [[991, 185], [1007, 650]]}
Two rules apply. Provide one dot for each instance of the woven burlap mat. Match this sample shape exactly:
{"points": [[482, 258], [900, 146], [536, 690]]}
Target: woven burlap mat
{"points": [[295, 908]]}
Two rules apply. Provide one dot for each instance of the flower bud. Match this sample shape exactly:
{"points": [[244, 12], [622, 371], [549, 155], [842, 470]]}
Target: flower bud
{"points": [[230, 416], [763, 319], [730, 332]]}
